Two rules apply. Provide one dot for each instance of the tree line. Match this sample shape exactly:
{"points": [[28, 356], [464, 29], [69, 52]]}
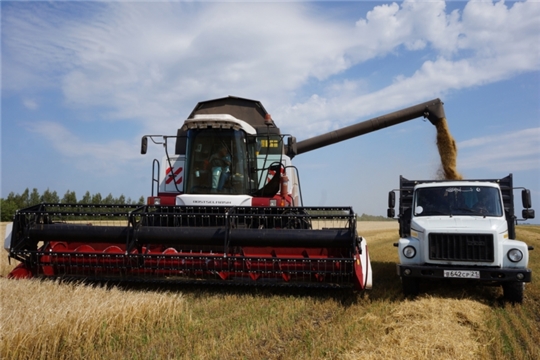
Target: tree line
{"points": [[366, 217], [14, 202]]}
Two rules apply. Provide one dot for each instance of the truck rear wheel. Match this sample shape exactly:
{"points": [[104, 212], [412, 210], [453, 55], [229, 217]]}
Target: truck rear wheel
{"points": [[411, 286], [513, 291]]}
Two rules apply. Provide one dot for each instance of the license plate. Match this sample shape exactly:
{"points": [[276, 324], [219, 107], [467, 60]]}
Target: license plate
{"points": [[463, 274]]}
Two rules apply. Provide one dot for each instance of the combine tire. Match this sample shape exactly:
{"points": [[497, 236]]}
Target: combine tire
{"points": [[411, 286], [513, 291]]}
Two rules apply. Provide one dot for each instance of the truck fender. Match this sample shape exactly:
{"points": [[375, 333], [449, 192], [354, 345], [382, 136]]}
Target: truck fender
{"points": [[507, 245], [415, 243]]}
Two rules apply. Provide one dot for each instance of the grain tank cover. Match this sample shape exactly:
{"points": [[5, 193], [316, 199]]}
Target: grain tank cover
{"points": [[250, 111]]}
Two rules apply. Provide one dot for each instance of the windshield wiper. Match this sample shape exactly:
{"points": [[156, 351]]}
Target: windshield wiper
{"points": [[465, 209], [434, 212]]}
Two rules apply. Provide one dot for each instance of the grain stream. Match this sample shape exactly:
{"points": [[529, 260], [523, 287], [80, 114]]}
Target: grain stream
{"points": [[447, 151]]}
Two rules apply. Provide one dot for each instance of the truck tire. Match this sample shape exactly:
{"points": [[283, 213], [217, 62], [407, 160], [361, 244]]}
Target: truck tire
{"points": [[513, 291], [411, 286]]}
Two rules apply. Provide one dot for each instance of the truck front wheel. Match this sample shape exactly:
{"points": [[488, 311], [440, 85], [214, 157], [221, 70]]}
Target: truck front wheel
{"points": [[513, 291], [411, 286]]}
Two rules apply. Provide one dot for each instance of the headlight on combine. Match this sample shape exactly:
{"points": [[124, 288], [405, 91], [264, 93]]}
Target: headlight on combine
{"points": [[515, 255], [409, 252]]}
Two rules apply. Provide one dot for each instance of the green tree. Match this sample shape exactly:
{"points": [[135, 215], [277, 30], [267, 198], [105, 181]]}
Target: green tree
{"points": [[50, 197], [35, 197], [366, 217], [15, 199], [86, 199], [21, 201], [24, 200], [7, 209], [109, 199], [121, 200], [69, 197], [14, 202], [96, 199]]}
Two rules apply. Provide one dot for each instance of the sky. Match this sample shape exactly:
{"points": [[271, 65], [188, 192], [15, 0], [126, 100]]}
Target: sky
{"points": [[82, 82]]}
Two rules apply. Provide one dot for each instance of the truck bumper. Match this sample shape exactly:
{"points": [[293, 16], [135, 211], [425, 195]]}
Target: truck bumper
{"points": [[486, 274]]}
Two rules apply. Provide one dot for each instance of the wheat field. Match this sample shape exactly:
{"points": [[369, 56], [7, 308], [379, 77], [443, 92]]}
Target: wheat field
{"points": [[55, 320]]}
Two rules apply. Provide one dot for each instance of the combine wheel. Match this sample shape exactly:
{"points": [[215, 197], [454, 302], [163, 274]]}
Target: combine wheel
{"points": [[411, 286], [513, 291]]}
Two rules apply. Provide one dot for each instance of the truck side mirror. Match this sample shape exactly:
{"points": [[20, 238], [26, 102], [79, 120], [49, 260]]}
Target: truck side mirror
{"points": [[527, 213], [144, 145], [526, 198], [391, 199], [391, 212]]}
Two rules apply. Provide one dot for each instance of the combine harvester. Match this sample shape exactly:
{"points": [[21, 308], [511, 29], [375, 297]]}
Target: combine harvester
{"points": [[225, 208]]}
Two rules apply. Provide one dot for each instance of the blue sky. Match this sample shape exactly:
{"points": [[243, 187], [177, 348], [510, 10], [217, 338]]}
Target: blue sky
{"points": [[83, 81]]}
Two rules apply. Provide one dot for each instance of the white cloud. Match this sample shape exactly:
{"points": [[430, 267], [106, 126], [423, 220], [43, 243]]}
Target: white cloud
{"points": [[153, 62], [30, 104], [142, 60], [519, 150], [488, 42], [87, 156], [413, 24]]}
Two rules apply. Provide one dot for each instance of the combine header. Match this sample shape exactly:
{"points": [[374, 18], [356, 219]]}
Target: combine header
{"points": [[226, 207]]}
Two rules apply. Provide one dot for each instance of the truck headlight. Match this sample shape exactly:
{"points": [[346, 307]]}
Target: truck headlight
{"points": [[514, 255], [409, 252]]}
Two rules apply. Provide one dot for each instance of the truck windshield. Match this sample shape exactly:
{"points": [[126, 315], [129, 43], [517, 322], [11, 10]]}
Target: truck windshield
{"points": [[216, 162], [458, 200]]}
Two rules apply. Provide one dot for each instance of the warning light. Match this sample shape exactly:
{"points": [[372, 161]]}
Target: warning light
{"points": [[268, 119]]}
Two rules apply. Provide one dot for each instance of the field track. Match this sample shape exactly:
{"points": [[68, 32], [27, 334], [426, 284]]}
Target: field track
{"points": [[52, 320]]}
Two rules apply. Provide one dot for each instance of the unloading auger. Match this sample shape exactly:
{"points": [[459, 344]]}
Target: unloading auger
{"points": [[226, 207]]}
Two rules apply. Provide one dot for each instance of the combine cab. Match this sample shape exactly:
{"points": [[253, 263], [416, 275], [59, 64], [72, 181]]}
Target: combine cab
{"points": [[226, 207]]}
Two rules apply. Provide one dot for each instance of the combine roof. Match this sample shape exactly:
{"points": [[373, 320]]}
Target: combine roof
{"points": [[251, 111]]}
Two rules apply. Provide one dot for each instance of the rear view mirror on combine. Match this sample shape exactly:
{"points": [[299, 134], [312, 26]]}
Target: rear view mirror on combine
{"points": [[144, 145]]}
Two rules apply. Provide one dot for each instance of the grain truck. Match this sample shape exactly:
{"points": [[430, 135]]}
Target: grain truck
{"points": [[461, 229]]}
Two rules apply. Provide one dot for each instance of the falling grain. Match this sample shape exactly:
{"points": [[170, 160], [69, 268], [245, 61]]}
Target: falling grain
{"points": [[448, 152]]}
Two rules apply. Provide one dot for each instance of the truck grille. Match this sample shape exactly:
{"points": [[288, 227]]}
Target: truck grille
{"points": [[461, 247]]}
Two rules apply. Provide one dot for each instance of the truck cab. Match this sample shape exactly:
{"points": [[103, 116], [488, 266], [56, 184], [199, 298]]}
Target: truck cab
{"points": [[461, 229]]}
